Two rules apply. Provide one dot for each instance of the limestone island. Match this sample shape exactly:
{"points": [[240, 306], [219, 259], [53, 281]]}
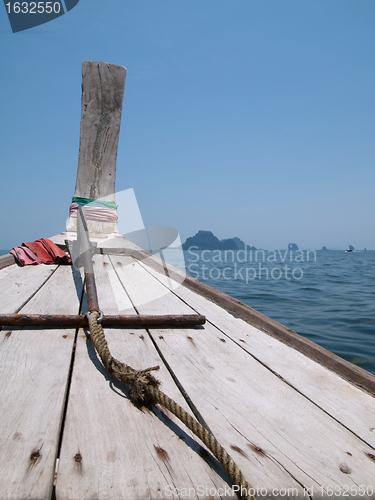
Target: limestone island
{"points": [[206, 240]]}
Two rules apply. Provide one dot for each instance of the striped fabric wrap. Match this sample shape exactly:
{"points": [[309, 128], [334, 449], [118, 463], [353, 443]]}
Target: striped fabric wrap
{"points": [[94, 203], [102, 214]]}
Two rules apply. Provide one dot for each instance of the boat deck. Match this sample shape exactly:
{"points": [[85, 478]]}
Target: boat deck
{"points": [[69, 431]]}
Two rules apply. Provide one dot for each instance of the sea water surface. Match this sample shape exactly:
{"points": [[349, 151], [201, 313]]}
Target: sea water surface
{"points": [[326, 296]]}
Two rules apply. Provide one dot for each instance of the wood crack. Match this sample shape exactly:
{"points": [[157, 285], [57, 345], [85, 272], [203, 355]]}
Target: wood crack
{"points": [[279, 464], [36, 291]]}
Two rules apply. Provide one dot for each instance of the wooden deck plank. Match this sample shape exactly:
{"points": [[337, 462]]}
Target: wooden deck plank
{"points": [[351, 406], [18, 285], [34, 367], [110, 449], [292, 431]]}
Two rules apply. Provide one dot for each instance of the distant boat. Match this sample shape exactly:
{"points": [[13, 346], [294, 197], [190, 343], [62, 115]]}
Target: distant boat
{"points": [[350, 249]]}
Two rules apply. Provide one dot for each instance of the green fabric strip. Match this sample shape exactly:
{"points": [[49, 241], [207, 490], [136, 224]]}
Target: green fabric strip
{"points": [[94, 203]]}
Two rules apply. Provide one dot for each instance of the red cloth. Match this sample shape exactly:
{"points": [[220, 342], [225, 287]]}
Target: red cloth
{"points": [[56, 252], [39, 250], [47, 252], [25, 257]]}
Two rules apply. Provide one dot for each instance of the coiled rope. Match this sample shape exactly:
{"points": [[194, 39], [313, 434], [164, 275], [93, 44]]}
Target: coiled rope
{"points": [[144, 389]]}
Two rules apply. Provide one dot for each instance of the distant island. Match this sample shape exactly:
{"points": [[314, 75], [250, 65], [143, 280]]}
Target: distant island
{"points": [[293, 247], [206, 240]]}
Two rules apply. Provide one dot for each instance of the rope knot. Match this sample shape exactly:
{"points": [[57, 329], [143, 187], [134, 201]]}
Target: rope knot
{"points": [[140, 383]]}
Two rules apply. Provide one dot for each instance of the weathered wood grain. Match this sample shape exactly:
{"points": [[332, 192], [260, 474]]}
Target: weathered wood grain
{"points": [[18, 284], [34, 368], [110, 449], [8, 269], [248, 407], [351, 406], [102, 96]]}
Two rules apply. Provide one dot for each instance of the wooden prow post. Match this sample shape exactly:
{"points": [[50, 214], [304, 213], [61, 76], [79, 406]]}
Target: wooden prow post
{"points": [[102, 94]]}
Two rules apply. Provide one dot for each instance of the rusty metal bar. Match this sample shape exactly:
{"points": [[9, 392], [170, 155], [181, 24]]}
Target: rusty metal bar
{"points": [[112, 321], [86, 254]]}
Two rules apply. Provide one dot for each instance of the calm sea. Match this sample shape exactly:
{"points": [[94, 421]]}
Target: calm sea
{"points": [[328, 297]]}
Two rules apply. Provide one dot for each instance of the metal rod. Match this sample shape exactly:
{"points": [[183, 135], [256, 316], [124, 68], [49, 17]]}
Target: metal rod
{"points": [[113, 321], [86, 254]]}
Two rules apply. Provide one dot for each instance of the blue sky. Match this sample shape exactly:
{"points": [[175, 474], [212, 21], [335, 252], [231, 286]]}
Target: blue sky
{"points": [[249, 118]]}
